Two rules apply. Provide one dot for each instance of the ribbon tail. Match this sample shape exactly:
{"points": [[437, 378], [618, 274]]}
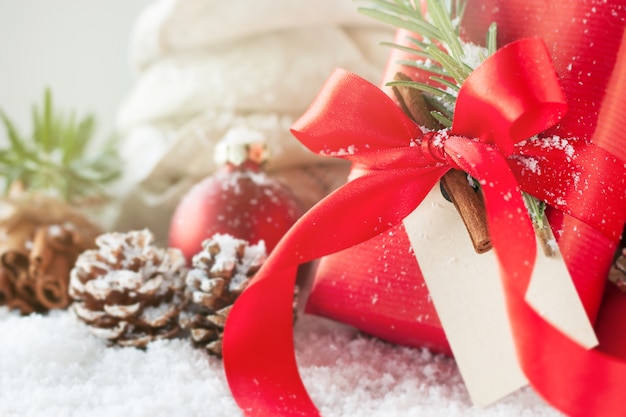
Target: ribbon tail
{"points": [[577, 381], [548, 358], [258, 350], [558, 368]]}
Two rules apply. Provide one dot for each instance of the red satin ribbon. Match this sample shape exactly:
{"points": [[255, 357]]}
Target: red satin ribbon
{"points": [[355, 120]]}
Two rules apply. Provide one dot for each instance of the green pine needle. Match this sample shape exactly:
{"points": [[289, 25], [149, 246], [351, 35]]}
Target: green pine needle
{"points": [[451, 86], [536, 210], [443, 119], [439, 49], [57, 158], [408, 49], [442, 105], [427, 67], [439, 30], [492, 42], [443, 19], [427, 88], [412, 25]]}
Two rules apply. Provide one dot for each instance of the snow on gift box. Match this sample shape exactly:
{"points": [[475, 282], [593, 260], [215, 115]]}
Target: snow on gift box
{"points": [[575, 164]]}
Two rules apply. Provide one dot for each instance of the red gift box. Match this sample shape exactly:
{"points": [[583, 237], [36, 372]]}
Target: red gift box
{"points": [[586, 43]]}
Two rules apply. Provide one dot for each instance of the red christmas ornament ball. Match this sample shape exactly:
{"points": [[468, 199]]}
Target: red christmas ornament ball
{"points": [[240, 200]]}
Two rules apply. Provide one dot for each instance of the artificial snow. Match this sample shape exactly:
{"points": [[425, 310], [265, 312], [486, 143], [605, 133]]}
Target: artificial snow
{"points": [[224, 260], [52, 366], [474, 55]]}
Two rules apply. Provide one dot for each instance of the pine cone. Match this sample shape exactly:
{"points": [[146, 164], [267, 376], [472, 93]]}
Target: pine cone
{"points": [[221, 271], [128, 291]]}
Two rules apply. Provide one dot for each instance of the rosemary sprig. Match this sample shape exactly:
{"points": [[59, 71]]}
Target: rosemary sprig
{"points": [[442, 53], [536, 209], [57, 157]]}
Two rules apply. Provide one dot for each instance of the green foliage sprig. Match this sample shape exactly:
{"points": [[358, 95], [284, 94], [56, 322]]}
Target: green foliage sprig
{"points": [[443, 54], [442, 51], [58, 156]]}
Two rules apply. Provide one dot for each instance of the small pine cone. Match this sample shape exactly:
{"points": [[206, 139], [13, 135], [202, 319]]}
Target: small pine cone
{"points": [[221, 271], [128, 291]]}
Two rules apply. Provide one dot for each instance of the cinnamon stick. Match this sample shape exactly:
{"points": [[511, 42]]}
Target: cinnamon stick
{"points": [[51, 259], [6, 288], [64, 238], [25, 297], [466, 200], [52, 291], [24, 307], [15, 264], [41, 239], [470, 206], [41, 254]]}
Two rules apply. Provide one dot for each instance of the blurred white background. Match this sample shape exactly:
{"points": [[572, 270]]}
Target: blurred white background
{"points": [[78, 48]]}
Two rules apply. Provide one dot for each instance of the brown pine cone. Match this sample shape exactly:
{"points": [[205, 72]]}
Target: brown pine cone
{"points": [[128, 291], [221, 271]]}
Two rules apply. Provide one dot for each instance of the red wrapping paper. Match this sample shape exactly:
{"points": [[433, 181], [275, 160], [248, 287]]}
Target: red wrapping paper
{"points": [[385, 265], [577, 381]]}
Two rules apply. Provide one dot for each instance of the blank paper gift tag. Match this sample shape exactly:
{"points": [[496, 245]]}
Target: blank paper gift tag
{"points": [[467, 293]]}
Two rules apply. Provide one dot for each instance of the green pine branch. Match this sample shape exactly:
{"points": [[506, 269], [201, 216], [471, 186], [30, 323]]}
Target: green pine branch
{"points": [[440, 51], [58, 157]]}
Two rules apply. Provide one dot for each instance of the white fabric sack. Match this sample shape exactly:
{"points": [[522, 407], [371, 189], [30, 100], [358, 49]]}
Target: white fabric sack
{"points": [[206, 67]]}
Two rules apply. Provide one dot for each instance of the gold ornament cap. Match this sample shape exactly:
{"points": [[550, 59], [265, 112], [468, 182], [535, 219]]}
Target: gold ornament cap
{"points": [[241, 144]]}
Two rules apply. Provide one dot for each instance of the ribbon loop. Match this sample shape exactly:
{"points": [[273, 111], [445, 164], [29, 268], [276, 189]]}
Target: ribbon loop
{"points": [[526, 100]]}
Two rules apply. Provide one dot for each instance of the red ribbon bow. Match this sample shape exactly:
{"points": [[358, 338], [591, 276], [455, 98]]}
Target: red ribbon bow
{"points": [[353, 119]]}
